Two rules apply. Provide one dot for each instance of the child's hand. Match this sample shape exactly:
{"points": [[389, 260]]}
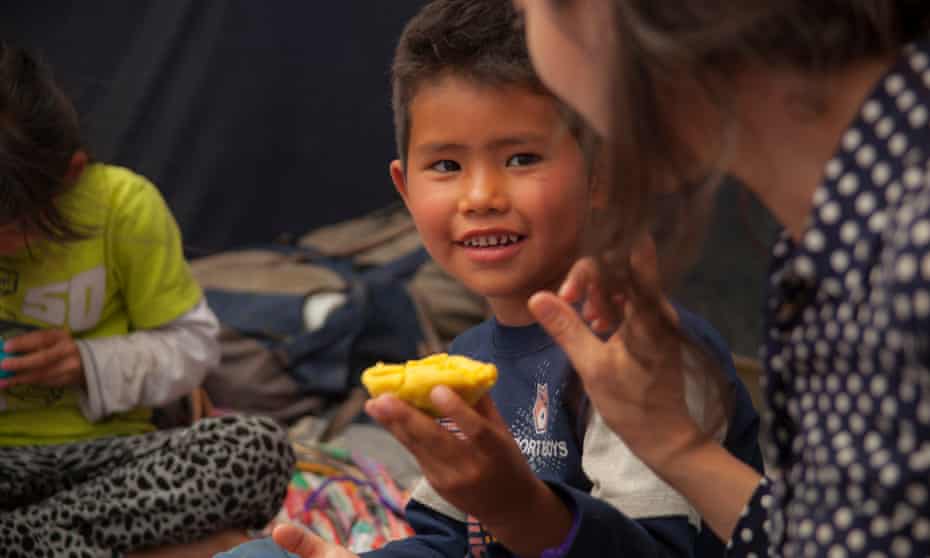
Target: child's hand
{"points": [[307, 545], [484, 475], [48, 357]]}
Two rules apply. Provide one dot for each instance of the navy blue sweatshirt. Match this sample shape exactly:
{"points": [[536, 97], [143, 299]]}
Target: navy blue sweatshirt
{"points": [[540, 397]]}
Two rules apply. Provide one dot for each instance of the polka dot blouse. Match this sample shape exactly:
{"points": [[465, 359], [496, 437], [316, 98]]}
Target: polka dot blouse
{"points": [[847, 346]]}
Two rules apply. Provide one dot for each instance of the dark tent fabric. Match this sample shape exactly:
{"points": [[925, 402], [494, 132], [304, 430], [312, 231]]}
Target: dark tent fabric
{"points": [[727, 284], [255, 119], [260, 119]]}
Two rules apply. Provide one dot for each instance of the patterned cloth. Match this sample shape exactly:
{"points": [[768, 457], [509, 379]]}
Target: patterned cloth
{"points": [[344, 498], [847, 350]]}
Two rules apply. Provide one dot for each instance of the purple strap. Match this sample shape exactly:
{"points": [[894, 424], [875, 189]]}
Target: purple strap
{"points": [[562, 549]]}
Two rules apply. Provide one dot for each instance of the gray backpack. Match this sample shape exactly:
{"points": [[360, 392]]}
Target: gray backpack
{"points": [[301, 321]]}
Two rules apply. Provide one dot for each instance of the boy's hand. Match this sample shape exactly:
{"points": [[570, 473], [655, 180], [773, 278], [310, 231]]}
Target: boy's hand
{"points": [[48, 357], [307, 545], [484, 475]]}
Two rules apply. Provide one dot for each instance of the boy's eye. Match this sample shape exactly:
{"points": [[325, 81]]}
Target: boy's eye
{"points": [[446, 165], [523, 159]]}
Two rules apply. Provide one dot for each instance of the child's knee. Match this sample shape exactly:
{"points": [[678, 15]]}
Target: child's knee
{"points": [[257, 441], [254, 462], [250, 462]]}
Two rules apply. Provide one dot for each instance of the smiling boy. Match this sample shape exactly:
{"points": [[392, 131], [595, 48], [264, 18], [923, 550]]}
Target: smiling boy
{"points": [[499, 178], [498, 187]]}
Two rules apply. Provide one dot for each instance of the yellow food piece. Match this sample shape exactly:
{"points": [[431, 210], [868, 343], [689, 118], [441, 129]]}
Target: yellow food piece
{"points": [[414, 380]]}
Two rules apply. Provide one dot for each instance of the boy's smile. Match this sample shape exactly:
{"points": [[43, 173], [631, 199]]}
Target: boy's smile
{"points": [[491, 245], [497, 186]]}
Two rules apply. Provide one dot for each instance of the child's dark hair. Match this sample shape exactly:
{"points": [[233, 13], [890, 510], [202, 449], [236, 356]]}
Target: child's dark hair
{"points": [[480, 40], [39, 134]]}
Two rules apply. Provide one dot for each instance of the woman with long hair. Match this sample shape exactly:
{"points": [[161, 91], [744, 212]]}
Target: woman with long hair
{"points": [[821, 109]]}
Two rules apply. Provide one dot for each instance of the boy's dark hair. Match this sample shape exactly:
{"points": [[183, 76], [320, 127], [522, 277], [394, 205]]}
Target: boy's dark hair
{"points": [[479, 40], [39, 134]]}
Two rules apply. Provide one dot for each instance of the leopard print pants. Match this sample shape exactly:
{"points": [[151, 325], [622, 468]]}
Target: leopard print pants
{"points": [[106, 497]]}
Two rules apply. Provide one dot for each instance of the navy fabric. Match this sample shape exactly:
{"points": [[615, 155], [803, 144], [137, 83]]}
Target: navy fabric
{"points": [[846, 353], [538, 396], [377, 322], [537, 393], [527, 358]]}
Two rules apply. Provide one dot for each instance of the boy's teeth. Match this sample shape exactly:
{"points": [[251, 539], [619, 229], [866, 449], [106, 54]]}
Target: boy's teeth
{"points": [[498, 240]]}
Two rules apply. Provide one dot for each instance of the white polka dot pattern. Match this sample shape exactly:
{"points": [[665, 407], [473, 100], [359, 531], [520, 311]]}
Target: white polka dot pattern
{"points": [[848, 347]]}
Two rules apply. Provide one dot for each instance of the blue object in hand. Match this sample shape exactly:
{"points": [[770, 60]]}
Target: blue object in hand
{"points": [[9, 329], [3, 355]]}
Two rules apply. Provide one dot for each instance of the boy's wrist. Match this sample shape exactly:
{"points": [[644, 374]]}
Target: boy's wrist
{"points": [[567, 540], [539, 524]]}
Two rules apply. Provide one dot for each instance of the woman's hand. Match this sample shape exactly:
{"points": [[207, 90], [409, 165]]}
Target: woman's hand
{"points": [[483, 474], [647, 408], [602, 313], [48, 357], [305, 544]]}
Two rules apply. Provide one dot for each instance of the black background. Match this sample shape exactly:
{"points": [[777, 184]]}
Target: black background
{"points": [[262, 119]]}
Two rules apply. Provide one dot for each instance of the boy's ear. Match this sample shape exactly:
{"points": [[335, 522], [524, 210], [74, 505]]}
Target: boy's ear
{"points": [[399, 177], [76, 166]]}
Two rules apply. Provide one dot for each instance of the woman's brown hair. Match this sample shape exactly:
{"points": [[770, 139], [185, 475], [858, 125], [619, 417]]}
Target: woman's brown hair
{"points": [[658, 45]]}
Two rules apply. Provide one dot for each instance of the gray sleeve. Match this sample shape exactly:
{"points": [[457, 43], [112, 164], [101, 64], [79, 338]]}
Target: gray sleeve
{"points": [[149, 368], [622, 480]]}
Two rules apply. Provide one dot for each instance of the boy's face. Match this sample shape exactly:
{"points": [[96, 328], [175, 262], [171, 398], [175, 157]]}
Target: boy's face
{"points": [[498, 188]]}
